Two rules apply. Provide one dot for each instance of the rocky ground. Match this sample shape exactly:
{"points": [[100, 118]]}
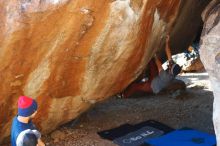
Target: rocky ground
{"points": [[190, 108]]}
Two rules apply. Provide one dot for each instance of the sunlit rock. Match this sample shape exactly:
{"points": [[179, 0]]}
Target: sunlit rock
{"points": [[70, 54], [210, 55]]}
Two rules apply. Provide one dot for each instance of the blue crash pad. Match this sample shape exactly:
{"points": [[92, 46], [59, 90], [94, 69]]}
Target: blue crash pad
{"points": [[183, 138]]}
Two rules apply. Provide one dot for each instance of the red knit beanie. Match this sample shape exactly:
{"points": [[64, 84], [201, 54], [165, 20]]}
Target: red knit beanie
{"points": [[26, 106]]}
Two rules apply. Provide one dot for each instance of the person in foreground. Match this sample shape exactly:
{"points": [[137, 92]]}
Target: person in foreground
{"points": [[158, 79], [23, 131]]}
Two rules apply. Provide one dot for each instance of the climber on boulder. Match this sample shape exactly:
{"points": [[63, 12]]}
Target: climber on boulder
{"points": [[23, 131], [158, 79]]}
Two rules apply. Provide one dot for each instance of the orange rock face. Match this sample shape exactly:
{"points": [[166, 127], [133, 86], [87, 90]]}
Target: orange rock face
{"points": [[70, 54]]}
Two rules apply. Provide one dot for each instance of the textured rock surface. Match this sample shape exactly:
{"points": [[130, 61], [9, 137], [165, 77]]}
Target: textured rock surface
{"points": [[195, 66], [210, 55], [188, 24], [70, 54]]}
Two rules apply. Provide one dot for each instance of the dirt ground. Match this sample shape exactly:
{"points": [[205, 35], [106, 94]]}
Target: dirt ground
{"points": [[191, 108]]}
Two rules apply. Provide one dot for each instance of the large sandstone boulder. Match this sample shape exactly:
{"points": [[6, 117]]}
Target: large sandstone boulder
{"points": [[70, 54], [210, 56]]}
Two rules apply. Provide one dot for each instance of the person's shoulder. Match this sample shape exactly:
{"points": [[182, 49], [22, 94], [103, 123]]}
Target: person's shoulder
{"points": [[163, 72], [14, 119], [32, 126], [15, 122], [166, 75]]}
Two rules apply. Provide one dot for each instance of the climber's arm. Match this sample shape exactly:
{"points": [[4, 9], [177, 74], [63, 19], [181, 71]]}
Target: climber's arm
{"points": [[167, 49], [158, 63]]}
